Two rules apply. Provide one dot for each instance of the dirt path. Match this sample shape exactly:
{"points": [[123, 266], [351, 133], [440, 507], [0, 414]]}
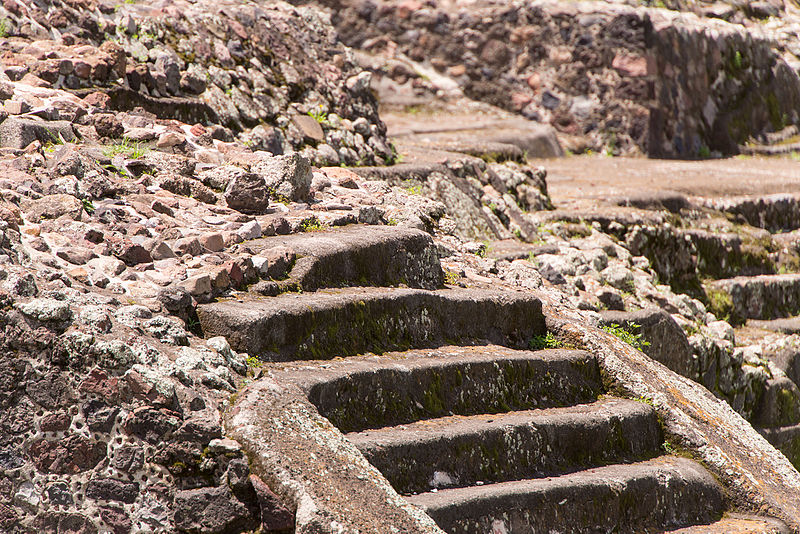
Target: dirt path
{"points": [[578, 181]]}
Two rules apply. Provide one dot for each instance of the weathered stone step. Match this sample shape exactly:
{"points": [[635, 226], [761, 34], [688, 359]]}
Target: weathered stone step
{"points": [[787, 359], [787, 325], [667, 341], [357, 256], [770, 150], [513, 249], [459, 451], [671, 201], [738, 524], [349, 321], [666, 492], [484, 149], [397, 388], [776, 213], [756, 297], [786, 439], [779, 404], [532, 139], [399, 173]]}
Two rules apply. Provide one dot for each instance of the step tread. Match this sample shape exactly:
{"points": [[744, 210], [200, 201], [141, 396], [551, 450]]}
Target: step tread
{"points": [[786, 325], [371, 391], [460, 450], [327, 297], [664, 492], [457, 425], [307, 373], [760, 278], [737, 524], [335, 239]]}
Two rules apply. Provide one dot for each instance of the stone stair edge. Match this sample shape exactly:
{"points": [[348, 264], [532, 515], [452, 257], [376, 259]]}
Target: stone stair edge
{"points": [[458, 451], [580, 492], [281, 325], [703, 425]]}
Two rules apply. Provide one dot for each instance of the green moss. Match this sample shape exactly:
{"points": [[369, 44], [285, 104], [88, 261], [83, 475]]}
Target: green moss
{"points": [[776, 117], [311, 224], [791, 450], [432, 396], [450, 277], [787, 407], [719, 303]]}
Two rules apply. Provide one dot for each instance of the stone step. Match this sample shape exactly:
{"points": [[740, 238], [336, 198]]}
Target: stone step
{"points": [[398, 388], [738, 524], [667, 342], [770, 150], [349, 321], [662, 493], [787, 359], [787, 325], [532, 139], [756, 297], [401, 172], [779, 404], [513, 249], [485, 149], [786, 439], [776, 213], [357, 256], [459, 451], [671, 201]]}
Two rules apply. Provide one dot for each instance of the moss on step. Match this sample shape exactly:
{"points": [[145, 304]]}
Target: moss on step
{"points": [[720, 303]]}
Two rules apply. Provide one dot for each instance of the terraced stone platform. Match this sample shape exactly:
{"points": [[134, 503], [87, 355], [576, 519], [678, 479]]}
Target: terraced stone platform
{"points": [[472, 428]]}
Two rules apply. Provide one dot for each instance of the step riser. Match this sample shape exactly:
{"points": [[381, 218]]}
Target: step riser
{"points": [[414, 263], [307, 327], [547, 447], [786, 439], [631, 504], [363, 256], [779, 404], [389, 397], [775, 213], [761, 297]]}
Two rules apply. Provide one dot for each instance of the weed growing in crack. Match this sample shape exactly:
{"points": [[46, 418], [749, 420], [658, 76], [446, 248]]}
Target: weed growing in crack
{"points": [[634, 340], [131, 149], [546, 341]]}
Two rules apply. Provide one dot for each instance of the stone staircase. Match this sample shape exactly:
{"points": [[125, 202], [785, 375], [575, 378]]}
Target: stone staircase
{"points": [[771, 303], [768, 302], [435, 388], [736, 253]]}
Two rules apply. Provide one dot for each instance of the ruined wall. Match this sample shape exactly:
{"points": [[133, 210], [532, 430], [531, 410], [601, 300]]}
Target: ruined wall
{"points": [[716, 86], [274, 76], [608, 77]]}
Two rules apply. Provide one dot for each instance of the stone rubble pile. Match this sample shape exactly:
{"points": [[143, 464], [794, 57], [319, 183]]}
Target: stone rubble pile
{"points": [[274, 77]]}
